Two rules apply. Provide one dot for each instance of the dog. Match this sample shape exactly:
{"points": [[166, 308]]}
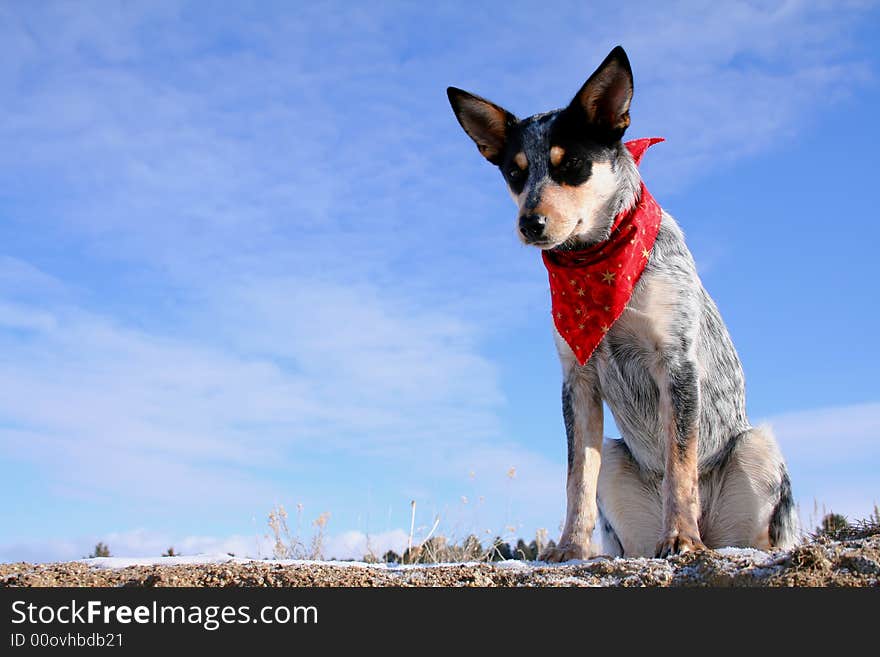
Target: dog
{"points": [[689, 471]]}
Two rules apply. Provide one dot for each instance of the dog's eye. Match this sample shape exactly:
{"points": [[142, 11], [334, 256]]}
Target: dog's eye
{"points": [[515, 173], [572, 163]]}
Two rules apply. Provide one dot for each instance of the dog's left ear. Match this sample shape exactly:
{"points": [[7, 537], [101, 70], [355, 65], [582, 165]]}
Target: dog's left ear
{"points": [[606, 96], [484, 122]]}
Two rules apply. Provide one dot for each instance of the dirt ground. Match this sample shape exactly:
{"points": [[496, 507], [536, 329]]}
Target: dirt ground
{"points": [[820, 563]]}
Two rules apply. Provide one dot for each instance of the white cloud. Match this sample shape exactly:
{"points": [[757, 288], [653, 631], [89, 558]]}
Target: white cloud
{"points": [[141, 543], [14, 316], [834, 457], [356, 545], [831, 435], [723, 82], [136, 413]]}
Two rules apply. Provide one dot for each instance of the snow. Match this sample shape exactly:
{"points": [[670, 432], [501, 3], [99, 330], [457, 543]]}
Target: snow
{"points": [[745, 553], [220, 558], [758, 557], [125, 562]]}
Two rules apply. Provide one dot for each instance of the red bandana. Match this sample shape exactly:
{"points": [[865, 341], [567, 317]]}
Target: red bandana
{"points": [[590, 288]]}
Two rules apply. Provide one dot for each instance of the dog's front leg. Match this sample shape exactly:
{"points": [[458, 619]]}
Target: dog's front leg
{"points": [[582, 411], [680, 411]]}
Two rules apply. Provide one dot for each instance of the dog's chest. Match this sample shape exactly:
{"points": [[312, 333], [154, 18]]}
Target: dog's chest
{"points": [[629, 361]]}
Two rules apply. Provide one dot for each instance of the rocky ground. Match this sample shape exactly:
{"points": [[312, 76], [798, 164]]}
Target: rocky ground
{"points": [[823, 562]]}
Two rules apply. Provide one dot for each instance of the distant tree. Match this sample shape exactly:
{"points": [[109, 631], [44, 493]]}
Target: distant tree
{"points": [[391, 557], [471, 549], [500, 550], [101, 550], [525, 552], [170, 553]]}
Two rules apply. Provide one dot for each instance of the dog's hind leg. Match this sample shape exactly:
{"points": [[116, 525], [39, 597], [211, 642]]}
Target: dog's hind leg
{"points": [[630, 504], [746, 498]]}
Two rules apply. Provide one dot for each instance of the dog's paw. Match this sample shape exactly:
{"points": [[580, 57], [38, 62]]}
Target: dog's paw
{"points": [[678, 544], [565, 552]]}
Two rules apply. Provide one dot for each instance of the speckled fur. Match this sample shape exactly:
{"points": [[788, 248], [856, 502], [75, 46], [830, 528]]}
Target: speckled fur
{"points": [[692, 338]]}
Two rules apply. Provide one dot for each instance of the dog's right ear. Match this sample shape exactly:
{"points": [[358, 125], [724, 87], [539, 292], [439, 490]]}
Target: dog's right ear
{"points": [[484, 122]]}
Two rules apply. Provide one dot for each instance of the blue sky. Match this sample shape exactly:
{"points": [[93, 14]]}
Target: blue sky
{"points": [[248, 257]]}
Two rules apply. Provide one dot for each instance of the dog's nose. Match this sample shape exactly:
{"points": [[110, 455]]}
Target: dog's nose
{"points": [[532, 226]]}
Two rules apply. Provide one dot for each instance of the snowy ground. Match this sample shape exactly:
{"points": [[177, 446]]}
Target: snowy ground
{"points": [[819, 563]]}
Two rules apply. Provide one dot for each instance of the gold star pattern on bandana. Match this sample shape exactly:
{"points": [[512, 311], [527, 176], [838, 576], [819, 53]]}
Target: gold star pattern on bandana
{"points": [[608, 277]]}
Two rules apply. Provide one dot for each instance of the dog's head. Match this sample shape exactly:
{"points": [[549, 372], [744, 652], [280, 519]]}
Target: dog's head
{"points": [[561, 167]]}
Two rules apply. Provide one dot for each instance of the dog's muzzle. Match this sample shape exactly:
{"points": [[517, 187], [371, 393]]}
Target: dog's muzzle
{"points": [[531, 226]]}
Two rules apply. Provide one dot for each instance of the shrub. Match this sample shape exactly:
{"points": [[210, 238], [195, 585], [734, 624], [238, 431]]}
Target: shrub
{"points": [[101, 550]]}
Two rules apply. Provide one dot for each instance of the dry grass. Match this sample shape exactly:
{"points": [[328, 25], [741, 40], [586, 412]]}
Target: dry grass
{"points": [[289, 545], [838, 528], [426, 545]]}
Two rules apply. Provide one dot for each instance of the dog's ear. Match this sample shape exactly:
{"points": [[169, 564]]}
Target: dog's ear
{"points": [[606, 96], [484, 122]]}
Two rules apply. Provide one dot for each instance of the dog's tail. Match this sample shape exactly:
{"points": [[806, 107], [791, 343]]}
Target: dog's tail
{"points": [[784, 529]]}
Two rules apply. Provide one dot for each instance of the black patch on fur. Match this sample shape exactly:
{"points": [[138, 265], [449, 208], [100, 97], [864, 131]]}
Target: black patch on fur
{"points": [[720, 460], [574, 136], [610, 539], [581, 139], [685, 396], [517, 143], [572, 171], [780, 520], [514, 176], [568, 418]]}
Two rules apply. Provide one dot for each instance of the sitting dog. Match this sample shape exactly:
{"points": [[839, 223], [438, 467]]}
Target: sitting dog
{"points": [[634, 329]]}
